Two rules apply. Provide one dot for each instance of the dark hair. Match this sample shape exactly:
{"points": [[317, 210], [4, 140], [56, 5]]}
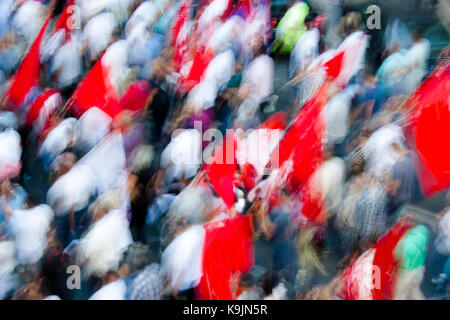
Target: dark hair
{"points": [[262, 49], [418, 32], [247, 280], [269, 281], [35, 196], [310, 17], [137, 256]]}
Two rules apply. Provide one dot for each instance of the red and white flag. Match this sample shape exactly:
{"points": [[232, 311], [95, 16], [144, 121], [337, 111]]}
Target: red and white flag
{"points": [[373, 275], [64, 21], [27, 74], [255, 148], [227, 252], [96, 90]]}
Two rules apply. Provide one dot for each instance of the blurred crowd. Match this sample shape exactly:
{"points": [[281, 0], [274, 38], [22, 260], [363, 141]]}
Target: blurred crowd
{"points": [[115, 118]]}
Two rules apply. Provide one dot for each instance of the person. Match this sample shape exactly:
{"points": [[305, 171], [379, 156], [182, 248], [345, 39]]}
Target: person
{"points": [[29, 229], [370, 211], [415, 61], [403, 180], [249, 290], [306, 49], [256, 85], [291, 27], [412, 252], [113, 288], [440, 262], [181, 260], [141, 274]]}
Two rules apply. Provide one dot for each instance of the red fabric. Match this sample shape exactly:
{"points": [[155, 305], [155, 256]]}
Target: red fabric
{"points": [[96, 90], [183, 15], [63, 20], [320, 22], [201, 61], [334, 65], [27, 74], [276, 121], [248, 176], [222, 169], [428, 131], [135, 96], [303, 141], [385, 260], [313, 205], [36, 106], [228, 249]]}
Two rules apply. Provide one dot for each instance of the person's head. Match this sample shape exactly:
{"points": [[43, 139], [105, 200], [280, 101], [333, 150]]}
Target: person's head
{"points": [[35, 197], [136, 258], [309, 19], [269, 280], [351, 22], [261, 49], [417, 34], [109, 277], [246, 281]]}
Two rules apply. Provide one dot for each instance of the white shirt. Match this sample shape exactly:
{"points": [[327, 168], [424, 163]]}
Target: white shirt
{"points": [[147, 12], [306, 49], [112, 291], [336, 117], [72, 190], [378, 150], [415, 61], [221, 69], [214, 10], [116, 59], [30, 228], [182, 155], [259, 75], [29, 19], [70, 51], [182, 259], [58, 138], [104, 244], [92, 127], [98, 32], [10, 150]]}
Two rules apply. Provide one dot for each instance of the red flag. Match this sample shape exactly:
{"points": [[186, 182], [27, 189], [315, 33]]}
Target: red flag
{"points": [[96, 90], [385, 260], [255, 149], [227, 250], [27, 74], [276, 121], [201, 61], [428, 131], [303, 141], [373, 275], [220, 171], [63, 21], [35, 108], [334, 65]]}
